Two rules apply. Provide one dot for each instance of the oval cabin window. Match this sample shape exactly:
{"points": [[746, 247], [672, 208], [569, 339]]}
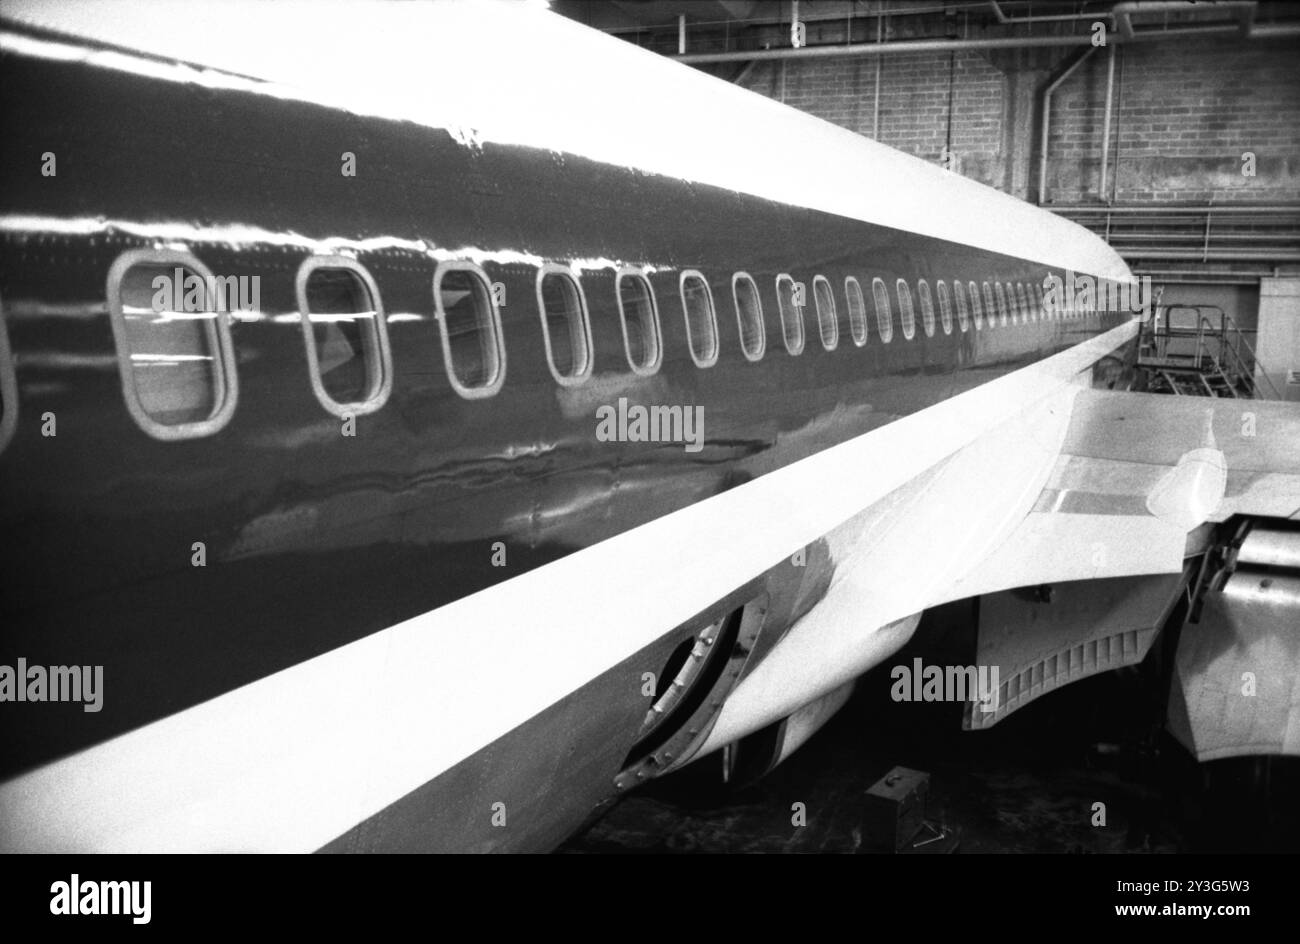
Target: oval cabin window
{"points": [[789, 296], [927, 307], [565, 324], [170, 320], [701, 322], [857, 311], [640, 320], [827, 317], [884, 317], [906, 314], [749, 316], [470, 326]]}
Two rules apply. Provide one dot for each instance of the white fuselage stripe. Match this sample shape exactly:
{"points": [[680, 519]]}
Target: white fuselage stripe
{"points": [[490, 72], [296, 759]]}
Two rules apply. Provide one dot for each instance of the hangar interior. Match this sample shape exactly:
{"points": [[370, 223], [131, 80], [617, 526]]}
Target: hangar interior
{"points": [[1171, 130]]}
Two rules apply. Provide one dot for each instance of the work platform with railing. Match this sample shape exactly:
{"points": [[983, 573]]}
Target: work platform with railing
{"points": [[1199, 350]]}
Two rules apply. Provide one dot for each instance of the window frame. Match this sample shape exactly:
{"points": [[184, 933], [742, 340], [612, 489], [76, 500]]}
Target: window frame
{"points": [[858, 326], [834, 313], [464, 265], [926, 300], [218, 330], [906, 312], [990, 303], [798, 310], [636, 272], [1026, 312], [885, 317], [686, 316], [963, 310], [567, 271], [736, 278], [384, 387], [945, 305]]}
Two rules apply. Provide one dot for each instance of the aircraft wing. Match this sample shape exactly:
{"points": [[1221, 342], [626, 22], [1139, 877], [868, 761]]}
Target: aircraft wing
{"points": [[1203, 490]]}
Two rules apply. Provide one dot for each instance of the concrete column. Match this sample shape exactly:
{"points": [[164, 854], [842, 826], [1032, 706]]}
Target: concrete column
{"points": [[1277, 345]]}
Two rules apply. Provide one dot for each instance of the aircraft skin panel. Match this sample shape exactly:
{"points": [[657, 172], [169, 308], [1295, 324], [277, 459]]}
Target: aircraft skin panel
{"points": [[376, 63], [1088, 485], [1121, 443], [1236, 684], [370, 718], [349, 651], [286, 511], [1042, 640]]}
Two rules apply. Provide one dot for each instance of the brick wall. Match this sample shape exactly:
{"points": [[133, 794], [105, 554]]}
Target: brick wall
{"points": [[913, 103], [1185, 112]]}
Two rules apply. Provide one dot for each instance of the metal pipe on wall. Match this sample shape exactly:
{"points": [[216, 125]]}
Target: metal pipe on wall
{"points": [[1279, 31], [1054, 18], [1122, 13], [1047, 115], [1155, 210], [1105, 122], [875, 115]]}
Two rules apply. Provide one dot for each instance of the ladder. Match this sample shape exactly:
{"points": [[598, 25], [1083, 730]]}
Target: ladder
{"points": [[1207, 358]]}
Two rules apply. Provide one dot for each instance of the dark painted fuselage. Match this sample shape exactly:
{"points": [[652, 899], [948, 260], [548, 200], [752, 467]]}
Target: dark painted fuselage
{"points": [[315, 539]]}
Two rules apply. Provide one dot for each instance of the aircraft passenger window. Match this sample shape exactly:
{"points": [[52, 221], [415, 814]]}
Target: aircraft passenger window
{"points": [[8, 388], [945, 305], [906, 315], [701, 322], [827, 318], [1004, 306], [749, 315], [977, 309], [787, 296], [927, 307], [1001, 306], [1023, 301], [1042, 301], [963, 313], [565, 324], [884, 317], [990, 306], [345, 333], [857, 311], [175, 358], [640, 318], [470, 326]]}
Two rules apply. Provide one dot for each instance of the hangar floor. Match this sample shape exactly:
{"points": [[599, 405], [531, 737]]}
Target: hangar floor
{"points": [[1027, 785]]}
